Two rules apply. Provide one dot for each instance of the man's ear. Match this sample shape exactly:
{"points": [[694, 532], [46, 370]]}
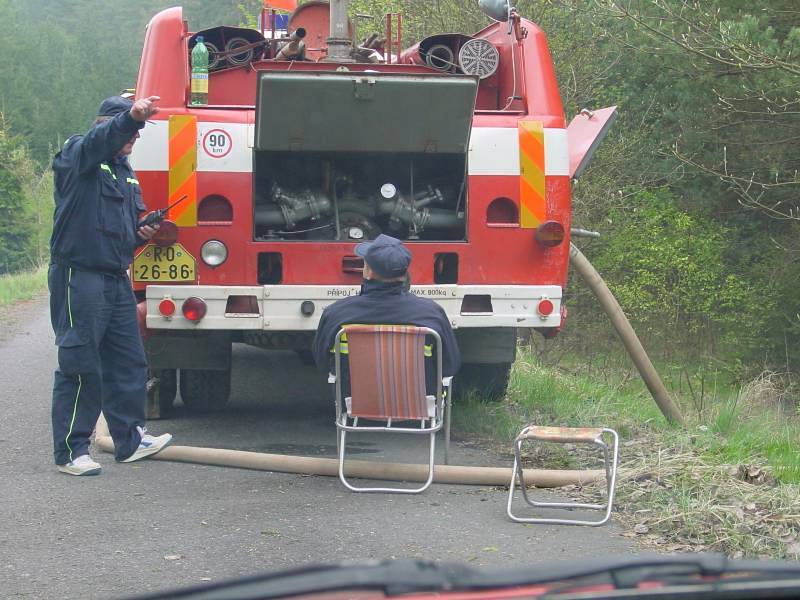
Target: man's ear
{"points": [[367, 272]]}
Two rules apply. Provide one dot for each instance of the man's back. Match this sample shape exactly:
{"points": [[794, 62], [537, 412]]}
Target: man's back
{"points": [[390, 304]]}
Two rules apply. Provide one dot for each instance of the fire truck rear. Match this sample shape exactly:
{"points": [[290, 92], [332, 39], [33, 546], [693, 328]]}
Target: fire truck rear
{"points": [[310, 143]]}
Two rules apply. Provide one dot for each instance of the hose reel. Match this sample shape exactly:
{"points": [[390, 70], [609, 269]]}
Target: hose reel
{"points": [[240, 58], [440, 57]]}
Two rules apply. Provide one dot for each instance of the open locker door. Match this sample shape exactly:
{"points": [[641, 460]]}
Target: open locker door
{"points": [[364, 112], [584, 134]]}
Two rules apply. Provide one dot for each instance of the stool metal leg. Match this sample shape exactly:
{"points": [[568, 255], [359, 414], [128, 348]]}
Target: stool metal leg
{"points": [[448, 414]]}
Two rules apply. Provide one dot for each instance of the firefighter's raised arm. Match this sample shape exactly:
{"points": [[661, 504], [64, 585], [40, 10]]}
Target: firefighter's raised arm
{"points": [[117, 123]]}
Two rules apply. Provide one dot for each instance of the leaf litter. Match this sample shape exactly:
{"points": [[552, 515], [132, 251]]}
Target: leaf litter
{"points": [[674, 500]]}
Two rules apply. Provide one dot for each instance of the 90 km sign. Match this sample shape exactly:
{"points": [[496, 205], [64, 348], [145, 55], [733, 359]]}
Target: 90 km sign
{"points": [[217, 143]]}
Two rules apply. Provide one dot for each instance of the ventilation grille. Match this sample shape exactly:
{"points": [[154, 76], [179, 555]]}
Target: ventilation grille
{"points": [[479, 57]]}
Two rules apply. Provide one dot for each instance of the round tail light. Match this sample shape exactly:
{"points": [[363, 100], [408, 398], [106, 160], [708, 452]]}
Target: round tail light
{"points": [[213, 253], [194, 308], [166, 307], [550, 233], [545, 307]]}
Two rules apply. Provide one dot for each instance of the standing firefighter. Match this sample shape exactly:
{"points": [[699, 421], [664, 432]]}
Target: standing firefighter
{"points": [[101, 361]]}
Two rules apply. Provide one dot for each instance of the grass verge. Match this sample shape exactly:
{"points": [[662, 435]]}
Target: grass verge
{"points": [[727, 483], [22, 286]]}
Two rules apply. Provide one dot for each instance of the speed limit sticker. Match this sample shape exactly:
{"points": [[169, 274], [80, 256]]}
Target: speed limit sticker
{"points": [[217, 143]]}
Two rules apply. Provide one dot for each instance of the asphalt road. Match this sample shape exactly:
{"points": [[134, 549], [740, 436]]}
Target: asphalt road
{"points": [[158, 525]]}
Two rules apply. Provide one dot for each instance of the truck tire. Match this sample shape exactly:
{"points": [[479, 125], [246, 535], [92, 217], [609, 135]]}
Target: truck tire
{"points": [[488, 381], [204, 390]]}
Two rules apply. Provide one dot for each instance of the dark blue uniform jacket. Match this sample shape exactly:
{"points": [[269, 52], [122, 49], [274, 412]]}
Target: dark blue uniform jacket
{"points": [[386, 303], [98, 200]]}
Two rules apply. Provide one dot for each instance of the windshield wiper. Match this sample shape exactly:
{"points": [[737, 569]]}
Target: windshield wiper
{"points": [[615, 578], [391, 577]]}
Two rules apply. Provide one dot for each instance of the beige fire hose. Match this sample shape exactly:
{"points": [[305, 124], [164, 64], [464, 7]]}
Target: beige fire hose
{"points": [[626, 333], [329, 467]]}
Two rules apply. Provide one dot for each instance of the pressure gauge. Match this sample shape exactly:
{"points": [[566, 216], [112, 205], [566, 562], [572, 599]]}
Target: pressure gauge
{"points": [[388, 191], [356, 233]]}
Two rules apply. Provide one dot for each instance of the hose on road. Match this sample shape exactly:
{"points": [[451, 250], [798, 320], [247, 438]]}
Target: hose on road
{"points": [[281, 463]]}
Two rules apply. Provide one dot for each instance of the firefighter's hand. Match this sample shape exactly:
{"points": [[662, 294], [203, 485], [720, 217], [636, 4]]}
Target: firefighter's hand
{"points": [[144, 108], [146, 232]]}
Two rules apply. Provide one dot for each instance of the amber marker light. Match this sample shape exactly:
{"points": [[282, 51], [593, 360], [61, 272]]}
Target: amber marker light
{"points": [[550, 234], [167, 234]]}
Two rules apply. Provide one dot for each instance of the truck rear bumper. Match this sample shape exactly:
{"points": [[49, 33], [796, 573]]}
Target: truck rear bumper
{"points": [[298, 307]]}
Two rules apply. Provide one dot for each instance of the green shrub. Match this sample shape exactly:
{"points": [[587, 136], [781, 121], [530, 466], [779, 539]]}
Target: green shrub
{"points": [[668, 270]]}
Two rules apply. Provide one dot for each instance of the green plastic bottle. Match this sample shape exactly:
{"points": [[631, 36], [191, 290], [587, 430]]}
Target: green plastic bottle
{"points": [[199, 73]]}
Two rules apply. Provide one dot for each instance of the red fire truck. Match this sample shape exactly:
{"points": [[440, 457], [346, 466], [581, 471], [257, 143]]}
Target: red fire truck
{"points": [[310, 143]]}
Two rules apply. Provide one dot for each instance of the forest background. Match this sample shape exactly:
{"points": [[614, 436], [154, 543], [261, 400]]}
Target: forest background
{"points": [[694, 191]]}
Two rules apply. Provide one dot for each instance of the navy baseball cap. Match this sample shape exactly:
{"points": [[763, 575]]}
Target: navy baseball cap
{"points": [[385, 255], [114, 105]]}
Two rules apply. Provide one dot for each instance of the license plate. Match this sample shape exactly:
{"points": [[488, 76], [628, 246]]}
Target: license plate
{"points": [[164, 263]]}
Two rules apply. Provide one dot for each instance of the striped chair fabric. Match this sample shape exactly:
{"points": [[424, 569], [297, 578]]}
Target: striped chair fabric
{"points": [[387, 372]]}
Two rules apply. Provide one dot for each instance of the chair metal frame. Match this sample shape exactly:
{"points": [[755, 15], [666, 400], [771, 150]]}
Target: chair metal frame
{"points": [[561, 435], [346, 422]]}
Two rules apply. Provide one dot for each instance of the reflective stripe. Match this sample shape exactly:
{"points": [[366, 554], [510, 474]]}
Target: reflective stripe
{"points": [[132, 180], [532, 205], [495, 151], [80, 381], [182, 149], [105, 167], [492, 151]]}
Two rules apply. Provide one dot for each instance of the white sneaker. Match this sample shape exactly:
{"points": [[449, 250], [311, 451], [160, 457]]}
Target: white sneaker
{"points": [[149, 445], [83, 465]]}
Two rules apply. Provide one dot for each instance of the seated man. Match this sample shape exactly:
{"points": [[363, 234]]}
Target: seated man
{"points": [[385, 300]]}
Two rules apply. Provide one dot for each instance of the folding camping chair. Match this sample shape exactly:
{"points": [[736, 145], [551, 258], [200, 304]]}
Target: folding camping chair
{"points": [[599, 437], [387, 389]]}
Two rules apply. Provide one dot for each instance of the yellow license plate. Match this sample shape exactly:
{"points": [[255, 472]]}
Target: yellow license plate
{"points": [[156, 264]]}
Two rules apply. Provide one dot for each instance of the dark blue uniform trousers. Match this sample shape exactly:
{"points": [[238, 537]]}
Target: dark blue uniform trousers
{"points": [[101, 361]]}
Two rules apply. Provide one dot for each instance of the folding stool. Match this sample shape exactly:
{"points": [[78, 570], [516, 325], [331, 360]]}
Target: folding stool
{"points": [[565, 435]]}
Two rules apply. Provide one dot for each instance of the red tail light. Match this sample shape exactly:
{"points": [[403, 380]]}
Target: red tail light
{"points": [[166, 307], [194, 308], [545, 307], [550, 233]]}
